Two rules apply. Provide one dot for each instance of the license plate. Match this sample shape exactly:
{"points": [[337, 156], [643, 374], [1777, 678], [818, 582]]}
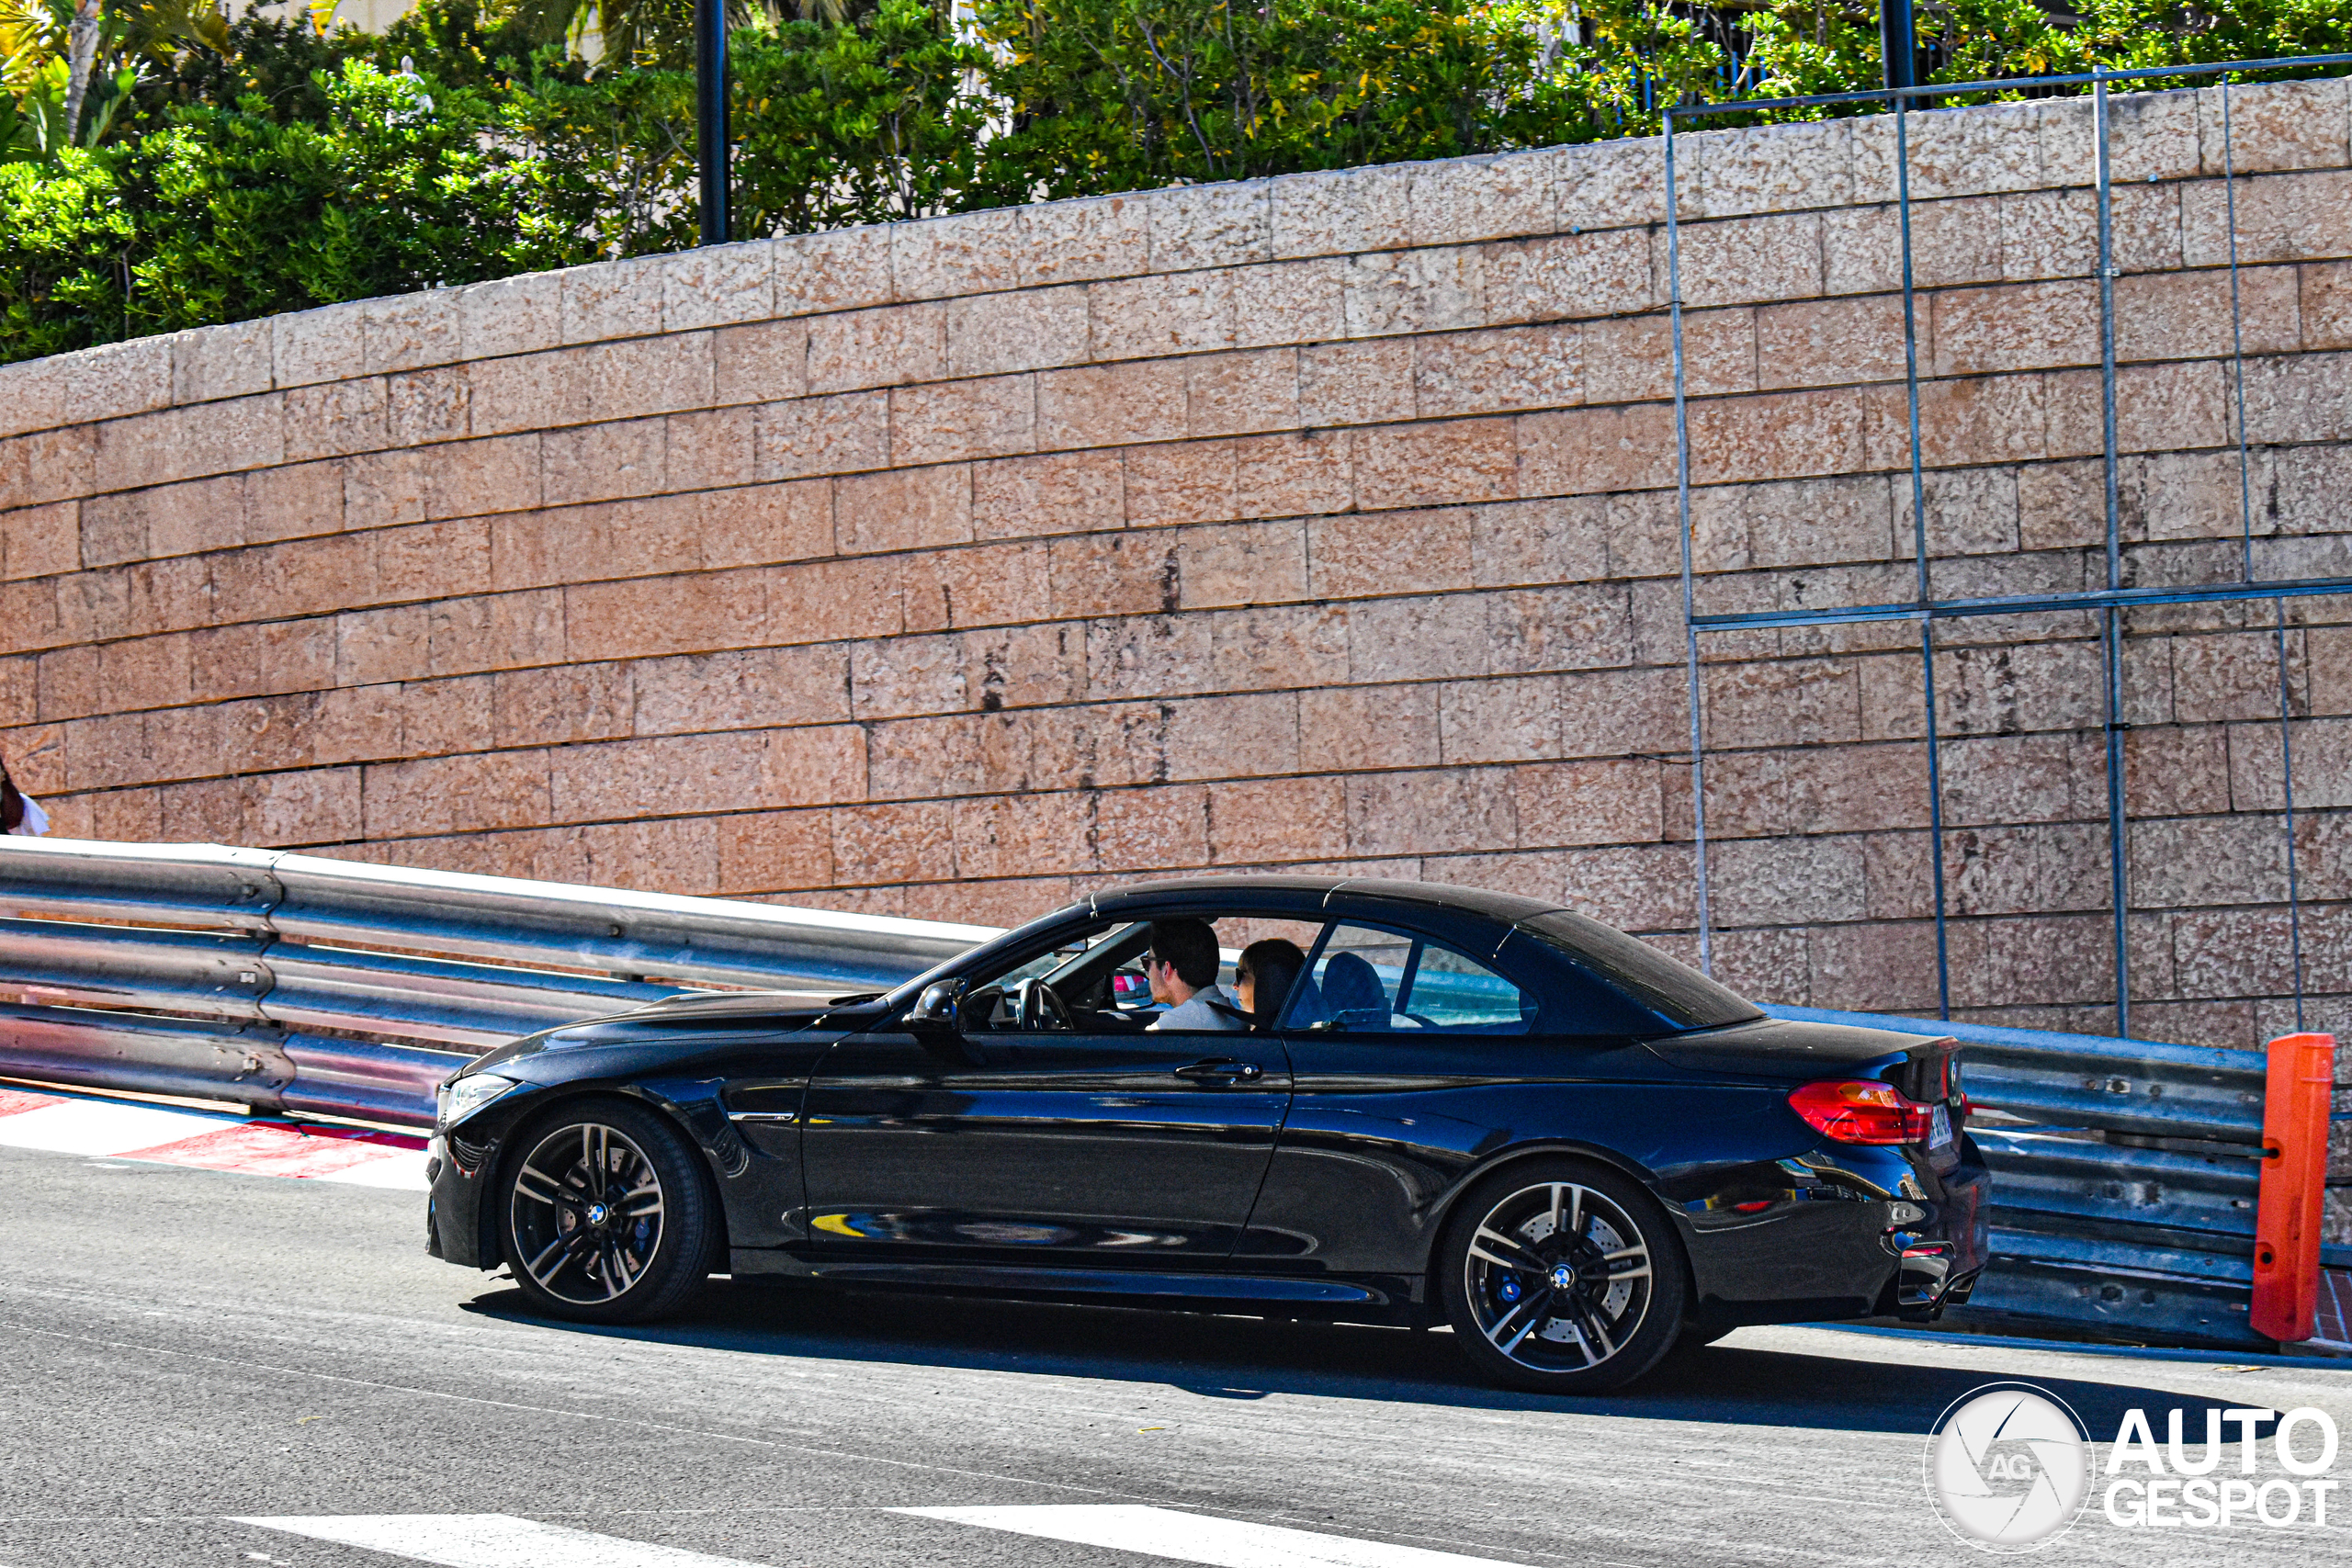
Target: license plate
{"points": [[1939, 1128]]}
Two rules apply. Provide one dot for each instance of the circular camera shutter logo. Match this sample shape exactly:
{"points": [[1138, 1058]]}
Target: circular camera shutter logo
{"points": [[2007, 1467]]}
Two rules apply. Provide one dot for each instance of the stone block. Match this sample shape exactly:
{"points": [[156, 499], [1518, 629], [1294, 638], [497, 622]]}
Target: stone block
{"points": [[28, 618], [1143, 316], [885, 346], [1629, 358], [2010, 689], [2273, 125], [1059, 493], [1441, 810], [1952, 243], [1252, 735], [2307, 398], [611, 299], [1351, 728], [230, 361], [1505, 369], [910, 842], [1416, 639], [1768, 168], [1276, 820], [1605, 184], [713, 286], [1878, 965], [902, 676], [1992, 147], [2061, 504], [1146, 829], [2188, 315], [1294, 646], [953, 421], [971, 252], [408, 331], [428, 405], [1499, 721], [2280, 218], [617, 780], [839, 269], [1438, 463], [33, 395], [603, 462], [1248, 563], [716, 447], [1610, 713], [37, 541], [1150, 656], [1355, 383], [1970, 512], [1461, 201], [1357, 555], [1578, 628], [1575, 804], [60, 686], [823, 435], [380, 489], [2024, 327], [774, 850], [1209, 225], [115, 380], [468, 793], [1982, 420], [560, 707], [498, 631], [377, 645], [987, 334], [1747, 260], [742, 690], [827, 601], [1776, 436], [1191, 482], [1289, 302], [156, 448], [57, 465], [903, 509], [1541, 541], [1825, 342], [2182, 495], [2324, 305], [1390, 292], [331, 418], [1786, 881], [665, 614], [1072, 242], [1290, 475], [511, 315], [1114, 574], [1805, 702], [1236, 394], [1585, 451], [645, 375], [528, 392], [1342, 211], [1021, 835], [1570, 276], [310, 346], [761, 362], [1111, 405]]}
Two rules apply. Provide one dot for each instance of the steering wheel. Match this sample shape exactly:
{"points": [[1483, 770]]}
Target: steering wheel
{"points": [[1037, 1007]]}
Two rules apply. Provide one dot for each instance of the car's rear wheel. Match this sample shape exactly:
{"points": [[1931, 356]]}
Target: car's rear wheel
{"points": [[1563, 1277], [608, 1216]]}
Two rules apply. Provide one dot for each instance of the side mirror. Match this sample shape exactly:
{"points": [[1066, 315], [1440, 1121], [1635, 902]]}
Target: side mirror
{"points": [[935, 1008]]}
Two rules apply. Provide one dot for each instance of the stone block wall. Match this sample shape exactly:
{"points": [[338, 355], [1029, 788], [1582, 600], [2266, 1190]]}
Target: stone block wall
{"points": [[953, 568]]}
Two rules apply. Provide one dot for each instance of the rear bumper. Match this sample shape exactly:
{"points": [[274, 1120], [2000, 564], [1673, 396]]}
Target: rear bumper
{"points": [[1841, 1233]]}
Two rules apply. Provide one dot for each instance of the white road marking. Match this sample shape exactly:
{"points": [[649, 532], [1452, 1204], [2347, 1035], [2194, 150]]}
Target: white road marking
{"points": [[1198, 1537], [403, 1170], [102, 1127], [487, 1540]]}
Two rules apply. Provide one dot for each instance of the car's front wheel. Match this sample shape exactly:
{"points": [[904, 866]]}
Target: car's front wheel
{"points": [[1563, 1277], [608, 1217]]}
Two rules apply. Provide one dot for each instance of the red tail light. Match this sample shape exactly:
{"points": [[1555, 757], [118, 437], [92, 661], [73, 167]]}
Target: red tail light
{"points": [[1863, 1111]]}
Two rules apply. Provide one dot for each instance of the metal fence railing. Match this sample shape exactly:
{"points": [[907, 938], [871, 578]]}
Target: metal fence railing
{"points": [[2127, 1172]]}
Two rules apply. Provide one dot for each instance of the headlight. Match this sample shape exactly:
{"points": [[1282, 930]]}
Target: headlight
{"points": [[461, 1097]]}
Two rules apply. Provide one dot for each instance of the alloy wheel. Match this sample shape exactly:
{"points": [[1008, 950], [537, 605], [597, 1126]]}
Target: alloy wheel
{"points": [[587, 1214], [1557, 1276]]}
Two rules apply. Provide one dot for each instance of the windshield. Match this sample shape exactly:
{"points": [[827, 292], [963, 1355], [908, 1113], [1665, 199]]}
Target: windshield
{"points": [[1020, 937], [1673, 988]]}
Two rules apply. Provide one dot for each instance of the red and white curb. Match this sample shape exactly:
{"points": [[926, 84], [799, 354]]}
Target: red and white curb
{"points": [[115, 1129]]}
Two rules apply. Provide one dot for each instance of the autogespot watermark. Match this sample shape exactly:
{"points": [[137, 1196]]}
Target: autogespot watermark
{"points": [[2009, 1466]]}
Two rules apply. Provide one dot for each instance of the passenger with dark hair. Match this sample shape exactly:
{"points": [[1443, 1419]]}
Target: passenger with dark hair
{"points": [[1263, 978], [1181, 966], [19, 813]]}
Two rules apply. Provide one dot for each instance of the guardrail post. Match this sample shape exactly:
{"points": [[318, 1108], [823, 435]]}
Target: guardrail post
{"points": [[2294, 1174]]}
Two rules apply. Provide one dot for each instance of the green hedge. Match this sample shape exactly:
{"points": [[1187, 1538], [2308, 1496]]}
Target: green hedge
{"points": [[285, 170]]}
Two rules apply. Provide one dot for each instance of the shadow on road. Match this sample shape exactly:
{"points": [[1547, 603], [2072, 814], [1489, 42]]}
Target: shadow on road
{"points": [[1244, 1358]]}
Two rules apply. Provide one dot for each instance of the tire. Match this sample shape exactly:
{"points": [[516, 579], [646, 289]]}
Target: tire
{"points": [[1584, 1316], [606, 1214]]}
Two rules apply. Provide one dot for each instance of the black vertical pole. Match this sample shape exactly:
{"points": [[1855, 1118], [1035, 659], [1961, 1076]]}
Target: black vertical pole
{"points": [[1896, 47], [710, 116]]}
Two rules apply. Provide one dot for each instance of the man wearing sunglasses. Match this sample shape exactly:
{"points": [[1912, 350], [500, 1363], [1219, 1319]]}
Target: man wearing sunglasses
{"points": [[1181, 965]]}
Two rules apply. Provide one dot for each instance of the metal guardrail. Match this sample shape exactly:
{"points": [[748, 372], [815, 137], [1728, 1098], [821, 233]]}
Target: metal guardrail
{"points": [[2126, 1172]]}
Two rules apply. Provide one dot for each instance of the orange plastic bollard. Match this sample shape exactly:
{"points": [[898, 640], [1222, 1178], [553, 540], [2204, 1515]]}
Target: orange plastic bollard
{"points": [[2294, 1173]]}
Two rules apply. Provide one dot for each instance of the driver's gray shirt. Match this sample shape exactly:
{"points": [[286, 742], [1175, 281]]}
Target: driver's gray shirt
{"points": [[1201, 1012]]}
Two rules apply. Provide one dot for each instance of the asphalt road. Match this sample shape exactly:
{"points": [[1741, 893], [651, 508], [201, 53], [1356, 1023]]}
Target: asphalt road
{"points": [[185, 1349]]}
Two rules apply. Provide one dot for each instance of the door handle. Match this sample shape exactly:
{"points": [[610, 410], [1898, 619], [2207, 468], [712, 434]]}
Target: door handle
{"points": [[1221, 1069]]}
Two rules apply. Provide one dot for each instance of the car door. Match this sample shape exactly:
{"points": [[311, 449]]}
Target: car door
{"points": [[1104, 1144], [1414, 1052]]}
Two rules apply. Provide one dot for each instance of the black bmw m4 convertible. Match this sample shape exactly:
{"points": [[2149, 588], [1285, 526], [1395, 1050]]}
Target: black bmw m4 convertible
{"points": [[1393, 1102]]}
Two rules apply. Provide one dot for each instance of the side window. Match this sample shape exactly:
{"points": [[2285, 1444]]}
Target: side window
{"points": [[1366, 980]]}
